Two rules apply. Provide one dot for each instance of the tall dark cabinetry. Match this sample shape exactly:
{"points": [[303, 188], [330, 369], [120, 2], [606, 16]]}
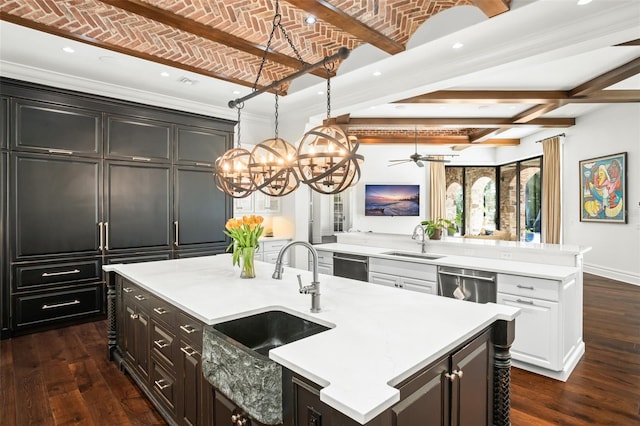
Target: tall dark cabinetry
{"points": [[87, 181]]}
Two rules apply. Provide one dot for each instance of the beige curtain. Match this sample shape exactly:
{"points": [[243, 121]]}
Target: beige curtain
{"points": [[437, 191], [551, 213]]}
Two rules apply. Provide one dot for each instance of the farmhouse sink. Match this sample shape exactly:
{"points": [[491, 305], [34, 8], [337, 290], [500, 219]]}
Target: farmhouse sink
{"points": [[414, 255], [267, 330]]}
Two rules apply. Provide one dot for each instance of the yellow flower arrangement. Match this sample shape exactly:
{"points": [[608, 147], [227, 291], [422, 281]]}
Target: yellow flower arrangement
{"points": [[244, 234]]}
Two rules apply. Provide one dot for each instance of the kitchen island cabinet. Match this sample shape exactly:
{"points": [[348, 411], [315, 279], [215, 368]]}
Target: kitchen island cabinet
{"points": [[360, 366]]}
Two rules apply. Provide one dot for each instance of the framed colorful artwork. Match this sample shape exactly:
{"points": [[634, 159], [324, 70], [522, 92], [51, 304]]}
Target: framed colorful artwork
{"points": [[603, 189]]}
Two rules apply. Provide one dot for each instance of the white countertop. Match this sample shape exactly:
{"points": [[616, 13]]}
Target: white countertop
{"points": [[538, 270], [380, 335]]}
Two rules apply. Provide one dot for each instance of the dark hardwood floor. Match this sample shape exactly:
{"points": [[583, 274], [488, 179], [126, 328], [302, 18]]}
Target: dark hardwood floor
{"points": [[63, 376]]}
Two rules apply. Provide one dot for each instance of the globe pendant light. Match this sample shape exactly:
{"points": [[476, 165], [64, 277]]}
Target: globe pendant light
{"points": [[232, 171], [272, 168], [327, 160]]}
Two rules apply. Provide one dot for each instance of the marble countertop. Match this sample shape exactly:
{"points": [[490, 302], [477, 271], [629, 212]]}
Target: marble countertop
{"points": [[379, 336], [552, 272]]}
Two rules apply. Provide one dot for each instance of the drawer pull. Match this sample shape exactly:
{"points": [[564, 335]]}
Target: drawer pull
{"points": [[203, 164], [188, 328], [141, 159], [127, 289], [526, 302], [60, 305], [134, 316], [140, 297], [60, 151], [160, 311], [160, 343], [53, 274], [526, 287], [189, 351], [161, 384]]}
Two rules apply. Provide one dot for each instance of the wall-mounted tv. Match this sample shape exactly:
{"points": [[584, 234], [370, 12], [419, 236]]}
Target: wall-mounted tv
{"points": [[392, 200]]}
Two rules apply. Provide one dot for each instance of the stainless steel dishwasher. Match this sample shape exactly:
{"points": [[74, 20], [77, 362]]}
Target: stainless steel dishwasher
{"points": [[467, 284], [351, 266]]}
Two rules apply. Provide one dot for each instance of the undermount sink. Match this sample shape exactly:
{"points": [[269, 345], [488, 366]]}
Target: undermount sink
{"points": [[414, 255], [267, 330]]}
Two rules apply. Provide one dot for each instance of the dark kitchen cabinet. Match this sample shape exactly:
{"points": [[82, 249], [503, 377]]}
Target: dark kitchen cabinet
{"points": [[137, 139], [198, 146], [56, 206], [137, 206], [4, 250], [135, 326], [201, 210]]}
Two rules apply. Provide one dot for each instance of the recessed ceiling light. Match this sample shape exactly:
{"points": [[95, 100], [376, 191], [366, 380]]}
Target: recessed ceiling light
{"points": [[377, 73], [320, 92], [583, 2], [164, 74], [68, 49], [310, 19], [236, 92], [457, 45]]}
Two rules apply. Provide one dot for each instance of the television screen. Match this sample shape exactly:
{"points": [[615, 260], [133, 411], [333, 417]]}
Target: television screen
{"points": [[392, 200]]}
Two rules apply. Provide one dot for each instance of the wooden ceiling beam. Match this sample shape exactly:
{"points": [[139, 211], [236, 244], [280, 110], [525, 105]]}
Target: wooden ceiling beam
{"points": [[327, 12], [432, 140], [607, 79], [115, 48], [492, 8], [534, 112], [411, 122], [480, 135], [215, 35], [488, 96], [609, 97]]}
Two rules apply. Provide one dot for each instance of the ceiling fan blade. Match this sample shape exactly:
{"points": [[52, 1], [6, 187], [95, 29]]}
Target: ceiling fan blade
{"points": [[396, 164], [399, 161], [419, 163], [434, 160]]}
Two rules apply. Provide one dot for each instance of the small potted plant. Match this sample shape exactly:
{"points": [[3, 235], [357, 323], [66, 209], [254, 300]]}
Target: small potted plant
{"points": [[434, 228]]}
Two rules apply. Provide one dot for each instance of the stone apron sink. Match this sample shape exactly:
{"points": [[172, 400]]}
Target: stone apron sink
{"points": [[235, 359]]}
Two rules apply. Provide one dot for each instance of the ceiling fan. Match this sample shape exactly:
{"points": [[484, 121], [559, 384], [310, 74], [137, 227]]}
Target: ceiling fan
{"points": [[418, 159]]}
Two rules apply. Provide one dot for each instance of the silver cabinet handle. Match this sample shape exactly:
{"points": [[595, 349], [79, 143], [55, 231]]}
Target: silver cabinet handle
{"points": [[161, 384], [526, 287], [60, 151], [139, 297], [60, 305], [127, 289], [177, 238], [454, 374], [134, 316], [160, 311], [106, 235], [53, 274], [187, 328], [492, 279], [160, 343], [140, 159], [526, 302], [203, 164], [188, 350], [101, 237]]}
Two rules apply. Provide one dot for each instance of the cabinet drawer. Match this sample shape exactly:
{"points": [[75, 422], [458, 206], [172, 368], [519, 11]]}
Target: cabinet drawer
{"points": [[164, 344], [138, 296], [163, 385], [272, 257], [32, 276], [161, 310], [274, 245], [190, 329], [530, 287], [59, 305]]}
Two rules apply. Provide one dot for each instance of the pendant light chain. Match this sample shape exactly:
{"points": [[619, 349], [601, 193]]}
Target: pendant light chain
{"points": [[239, 107], [329, 68], [276, 123]]}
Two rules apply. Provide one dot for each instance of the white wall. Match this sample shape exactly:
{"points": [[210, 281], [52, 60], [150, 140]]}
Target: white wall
{"points": [[615, 249]]}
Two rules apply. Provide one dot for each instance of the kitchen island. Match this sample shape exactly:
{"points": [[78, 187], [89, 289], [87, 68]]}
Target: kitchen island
{"points": [[378, 339]]}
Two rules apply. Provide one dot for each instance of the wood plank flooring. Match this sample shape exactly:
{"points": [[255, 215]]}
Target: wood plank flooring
{"points": [[63, 377]]}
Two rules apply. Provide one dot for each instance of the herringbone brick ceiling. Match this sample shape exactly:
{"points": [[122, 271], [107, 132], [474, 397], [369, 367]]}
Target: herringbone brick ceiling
{"points": [[226, 39]]}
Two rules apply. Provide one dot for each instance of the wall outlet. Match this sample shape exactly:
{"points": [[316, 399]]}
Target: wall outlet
{"points": [[506, 255]]}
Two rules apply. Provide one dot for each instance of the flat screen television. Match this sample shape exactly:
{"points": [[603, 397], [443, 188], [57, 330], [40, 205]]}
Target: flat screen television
{"points": [[392, 200]]}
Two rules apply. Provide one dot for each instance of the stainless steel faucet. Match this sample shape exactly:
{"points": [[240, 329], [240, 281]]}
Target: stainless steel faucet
{"points": [[424, 237], [314, 288]]}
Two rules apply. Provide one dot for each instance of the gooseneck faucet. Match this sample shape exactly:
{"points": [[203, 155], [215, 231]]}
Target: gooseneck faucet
{"points": [[314, 288], [424, 237]]}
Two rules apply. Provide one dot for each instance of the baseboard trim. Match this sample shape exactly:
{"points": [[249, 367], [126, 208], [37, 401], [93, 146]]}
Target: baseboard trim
{"points": [[602, 271]]}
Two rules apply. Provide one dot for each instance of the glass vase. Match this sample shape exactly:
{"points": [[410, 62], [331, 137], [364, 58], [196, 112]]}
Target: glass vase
{"points": [[247, 262]]}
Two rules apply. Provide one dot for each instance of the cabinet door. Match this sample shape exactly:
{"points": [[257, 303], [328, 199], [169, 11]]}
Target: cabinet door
{"points": [[4, 263], [56, 128], [138, 206], [142, 342], [429, 403], [138, 139], [471, 388], [384, 279], [537, 331], [200, 147], [56, 205], [201, 209], [421, 286], [190, 374]]}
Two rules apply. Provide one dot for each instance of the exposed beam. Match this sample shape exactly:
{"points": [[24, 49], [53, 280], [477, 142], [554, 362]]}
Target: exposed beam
{"points": [[492, 8], [432, 140], [609, 97], [534, 112], [480, 135], [409, 123], [331, 14], [607, 79], [488, 96], [178, 22], [115, 48]]}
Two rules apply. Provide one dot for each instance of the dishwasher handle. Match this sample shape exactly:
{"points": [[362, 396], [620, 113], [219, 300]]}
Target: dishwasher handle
{"points": [[474, 277], [349, 259]]}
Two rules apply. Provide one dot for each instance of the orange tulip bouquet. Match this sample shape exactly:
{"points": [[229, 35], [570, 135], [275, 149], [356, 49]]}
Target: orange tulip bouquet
{"points": [[244, 234]]}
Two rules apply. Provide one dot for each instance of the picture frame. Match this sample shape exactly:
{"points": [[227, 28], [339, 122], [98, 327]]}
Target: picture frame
{"points": [[392, 200], [603, 189]]}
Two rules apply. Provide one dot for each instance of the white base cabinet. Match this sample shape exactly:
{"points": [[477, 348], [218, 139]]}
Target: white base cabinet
{"points": [[403, 274], [270, 248]]}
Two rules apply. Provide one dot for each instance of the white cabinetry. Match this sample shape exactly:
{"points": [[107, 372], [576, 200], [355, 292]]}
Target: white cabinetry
{"points": [[413, 276], [549, 327], [270, 248], [325, 262]]}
